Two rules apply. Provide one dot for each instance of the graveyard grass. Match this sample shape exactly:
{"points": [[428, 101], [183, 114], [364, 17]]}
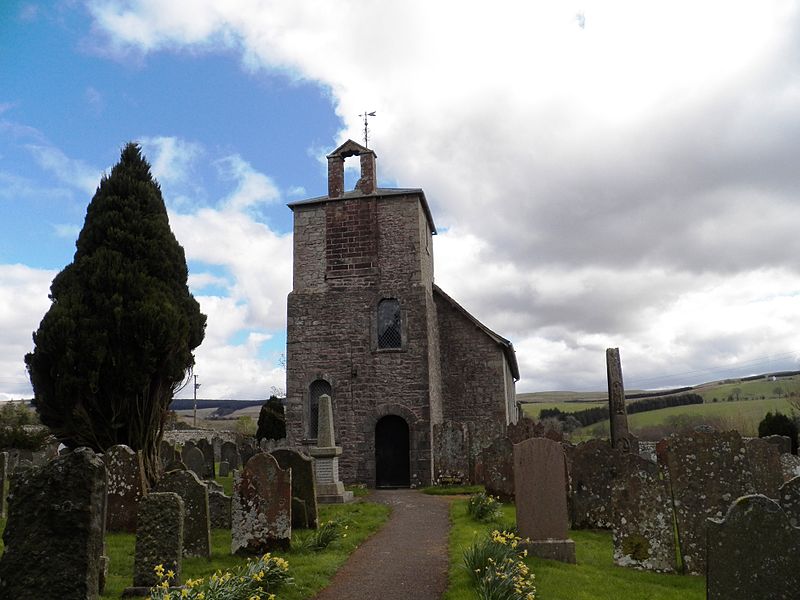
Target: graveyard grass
{"points": [[595, 577], [311, 570]]}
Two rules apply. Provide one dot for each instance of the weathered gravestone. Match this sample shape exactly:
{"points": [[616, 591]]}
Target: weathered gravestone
{"points": [[246, 452], [54, 533], [167, 453], [706, 472], [195, 461], [753, 553], [621, 437], [230, 453], [790, 465], [304, 488], [126, 486], [175, 465], [496, 469], [159, 539], [641, 516], [261, 512], [196, 518], [207, 449], [540, 486], [789, 499], [783, 442], [219, 506], [593, 467], [451, 452], [224, 468]]}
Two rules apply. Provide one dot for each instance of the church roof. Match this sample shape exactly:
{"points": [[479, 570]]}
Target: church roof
{"points": [[379, 192], [506, 345]]}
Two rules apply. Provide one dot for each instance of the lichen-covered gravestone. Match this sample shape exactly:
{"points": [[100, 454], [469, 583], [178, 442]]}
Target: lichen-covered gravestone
{"points": [[194, 460], [126, 486], [789, 499], [159, 539], [540, 484], [593, 467], [303, 485], [451, 449], [196, 519], [641, 517], [54, 534], [261, 518], [497, 469], [207, 449], [706, 472], [753, 553]]}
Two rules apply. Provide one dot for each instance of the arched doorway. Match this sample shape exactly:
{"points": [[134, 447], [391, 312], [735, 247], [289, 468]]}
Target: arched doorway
{"points": [[392, 462]]}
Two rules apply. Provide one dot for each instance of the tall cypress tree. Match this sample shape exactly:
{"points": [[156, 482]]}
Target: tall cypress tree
{"points": [[119, 334]]}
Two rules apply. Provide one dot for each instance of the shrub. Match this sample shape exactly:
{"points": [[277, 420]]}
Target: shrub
{"points": [[254, 580], [779, 424], [483, 507]]}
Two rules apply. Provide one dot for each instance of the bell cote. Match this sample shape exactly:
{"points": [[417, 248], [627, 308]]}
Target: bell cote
{"points": [[367, 183]]}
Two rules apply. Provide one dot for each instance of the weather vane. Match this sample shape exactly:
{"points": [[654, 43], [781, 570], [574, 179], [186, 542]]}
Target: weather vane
{"points": [[366, 116]]}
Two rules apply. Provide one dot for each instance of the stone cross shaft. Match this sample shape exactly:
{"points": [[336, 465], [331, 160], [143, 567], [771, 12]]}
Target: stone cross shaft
{"points": [[618, 417]]}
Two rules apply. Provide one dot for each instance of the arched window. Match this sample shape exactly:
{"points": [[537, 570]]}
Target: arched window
{"points": [[389, 331], [318, 387]]}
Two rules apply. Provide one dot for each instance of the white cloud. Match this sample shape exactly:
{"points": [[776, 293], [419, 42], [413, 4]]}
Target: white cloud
{"points": [[602, 185], [252, 187], [74, 173], [171, 158], [23, 303]]}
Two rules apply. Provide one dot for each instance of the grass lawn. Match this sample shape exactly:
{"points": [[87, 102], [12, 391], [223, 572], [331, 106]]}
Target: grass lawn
{"points": [[311, 570], [595, 577]]}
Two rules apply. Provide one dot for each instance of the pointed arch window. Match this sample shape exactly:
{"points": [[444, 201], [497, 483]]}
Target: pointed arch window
{"points": [[318, 388], [389, 324]]}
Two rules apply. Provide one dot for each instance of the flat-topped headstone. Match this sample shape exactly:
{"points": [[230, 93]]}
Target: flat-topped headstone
{"points": [[126, 486], [303, 485], [753, 553], [261, 512], [229, 453], [540, 489], [196, 517], [641, 516], [54, 533], [194, 460], [496, 469], [219, 506], [707, 471], [451, 452], [159, 539]]}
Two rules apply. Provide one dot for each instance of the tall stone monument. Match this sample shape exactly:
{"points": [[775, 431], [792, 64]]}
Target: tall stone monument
{"points": [[330, 490], [621, 438], [540, 488]]}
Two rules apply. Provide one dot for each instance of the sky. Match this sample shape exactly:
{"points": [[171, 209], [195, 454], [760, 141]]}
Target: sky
{"points": [[601, 174]]}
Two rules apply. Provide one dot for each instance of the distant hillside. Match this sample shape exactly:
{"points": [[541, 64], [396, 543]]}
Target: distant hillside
{"points": [[231, 405]]}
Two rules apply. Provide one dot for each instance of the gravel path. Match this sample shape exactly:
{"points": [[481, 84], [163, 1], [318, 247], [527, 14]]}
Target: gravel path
{"points": [[406, 559]]}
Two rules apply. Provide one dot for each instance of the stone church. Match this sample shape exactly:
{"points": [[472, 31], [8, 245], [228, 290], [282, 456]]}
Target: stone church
{"points": [[368, 326]]}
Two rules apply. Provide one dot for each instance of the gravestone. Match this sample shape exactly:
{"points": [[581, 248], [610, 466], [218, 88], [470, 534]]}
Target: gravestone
{"points": [[330, 489], [159, 539], [303, 485], [219, 506], [641, 517], [175, 465], [753, 553], [196, 518], [167, 452], [195, 461], [246, 452], [54, 533], [207, 449], [706, 472], [496, 469], [789, 499], [3, 474], [261, 512], [790, 466], [592, 467], [451, 452], [783, 442], [540, 489], [621, 437], [230, 454], [126, 486], [224, 469]]}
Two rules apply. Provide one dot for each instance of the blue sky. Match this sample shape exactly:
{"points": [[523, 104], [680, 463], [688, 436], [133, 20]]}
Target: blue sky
{"points": [[594, 182]]}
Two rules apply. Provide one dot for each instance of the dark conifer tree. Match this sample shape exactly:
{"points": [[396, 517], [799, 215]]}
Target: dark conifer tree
{"points": [[271, 420], [119, 334]]}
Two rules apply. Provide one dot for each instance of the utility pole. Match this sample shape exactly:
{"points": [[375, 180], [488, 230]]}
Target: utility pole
{"points": [[196, 385]]}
